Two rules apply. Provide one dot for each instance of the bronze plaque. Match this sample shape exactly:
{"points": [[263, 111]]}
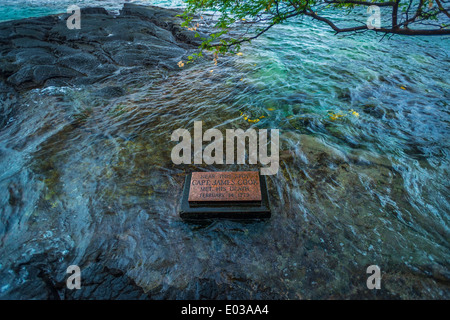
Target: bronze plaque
{"points": [[225, 186]]}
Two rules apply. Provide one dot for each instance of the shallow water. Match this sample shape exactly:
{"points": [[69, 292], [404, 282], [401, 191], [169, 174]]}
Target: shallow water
{"points": [[90, 179]]}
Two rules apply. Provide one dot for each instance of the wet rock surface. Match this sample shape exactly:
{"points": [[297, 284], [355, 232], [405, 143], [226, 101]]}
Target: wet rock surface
{"points": [[44, 51]]}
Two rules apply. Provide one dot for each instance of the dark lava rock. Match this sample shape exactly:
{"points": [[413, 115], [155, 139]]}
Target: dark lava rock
{"points": [[94, 10], [44, 281], [8, 101], [42, 51], [102, 283]]}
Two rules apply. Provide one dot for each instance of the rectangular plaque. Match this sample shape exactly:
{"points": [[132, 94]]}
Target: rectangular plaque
{"points": [[237, 195], [225, 186]]}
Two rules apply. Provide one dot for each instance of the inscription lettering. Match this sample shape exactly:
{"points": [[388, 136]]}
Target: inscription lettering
{"points": [[225, 186]]}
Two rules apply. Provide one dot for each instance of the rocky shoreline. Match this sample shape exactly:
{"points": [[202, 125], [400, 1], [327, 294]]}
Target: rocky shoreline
{"points": [[42, 51]]}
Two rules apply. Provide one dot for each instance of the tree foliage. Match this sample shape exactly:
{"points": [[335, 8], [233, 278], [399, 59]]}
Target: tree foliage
{"points": [[255, 17]]}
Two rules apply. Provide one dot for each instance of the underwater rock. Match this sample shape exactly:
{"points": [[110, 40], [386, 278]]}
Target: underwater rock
{"points": [[110, 92]]}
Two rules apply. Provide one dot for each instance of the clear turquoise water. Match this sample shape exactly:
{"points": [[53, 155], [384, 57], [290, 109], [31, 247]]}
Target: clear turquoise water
{"points": [[19, 9], [351, 192]]}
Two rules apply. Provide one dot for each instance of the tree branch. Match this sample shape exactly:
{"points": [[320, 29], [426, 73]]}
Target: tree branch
{"points": [[402, 31], [441, 8], [395, 14], [303, 8], [364, 3]]}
